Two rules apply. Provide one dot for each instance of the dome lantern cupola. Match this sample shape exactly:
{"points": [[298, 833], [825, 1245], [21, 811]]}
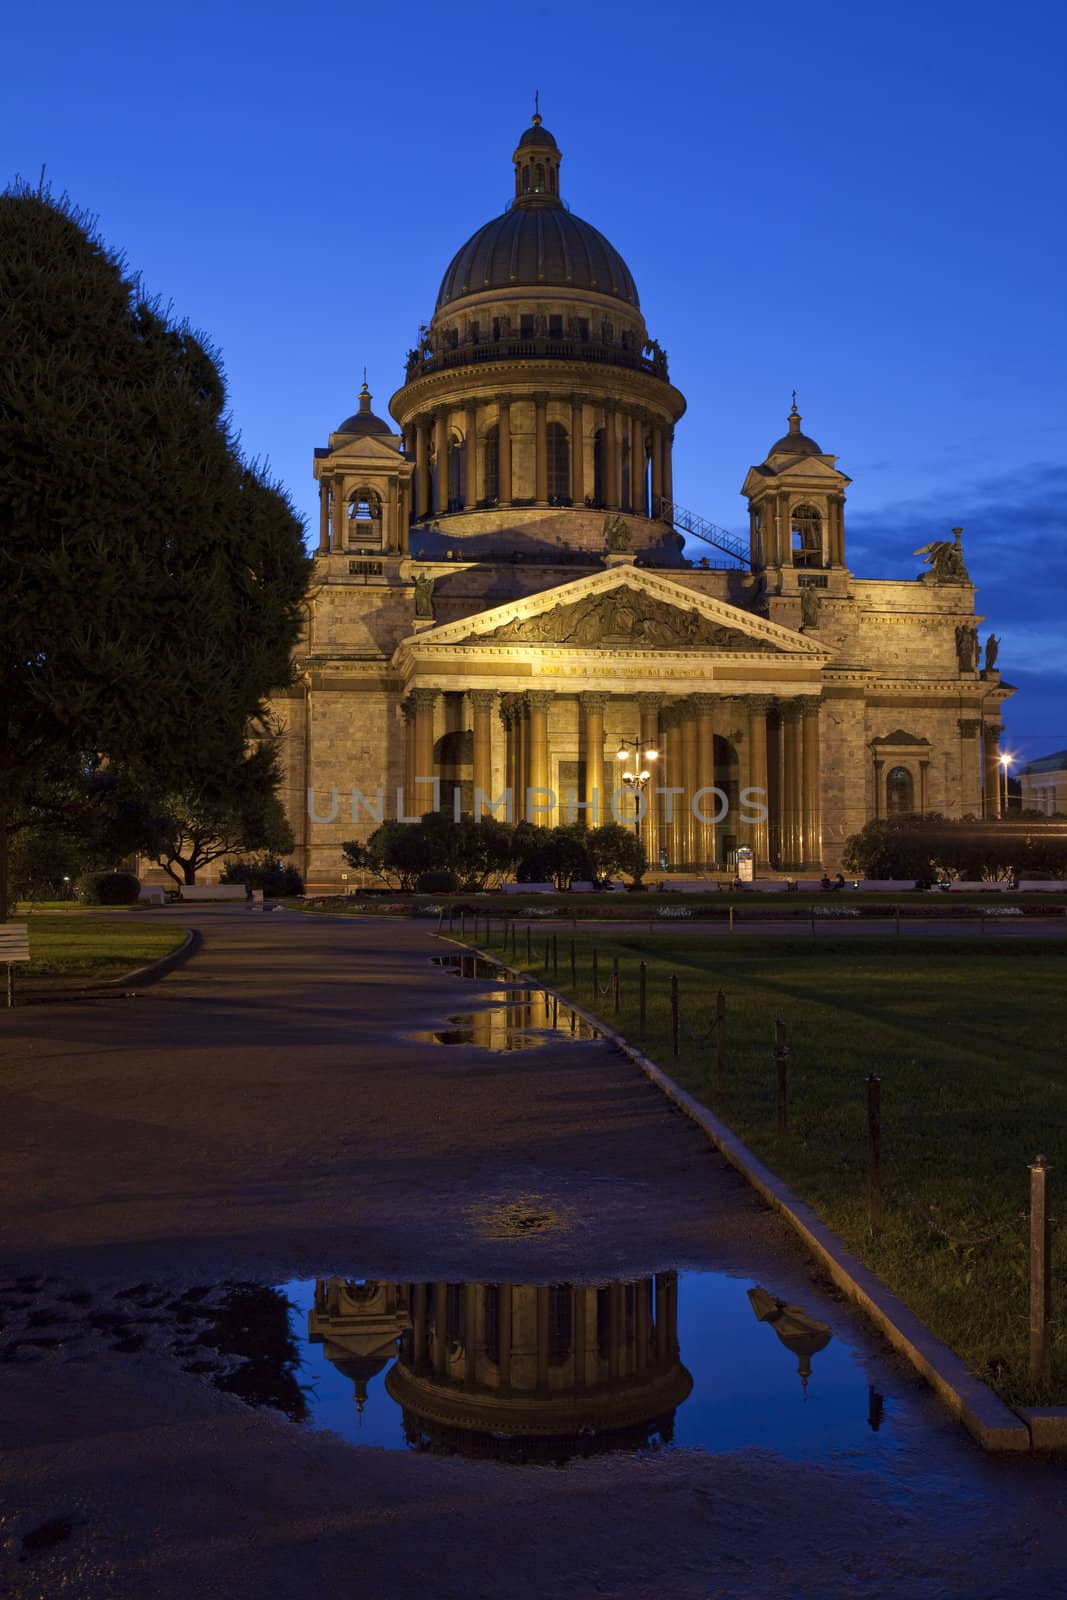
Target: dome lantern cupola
{"points": [[537, 161]]}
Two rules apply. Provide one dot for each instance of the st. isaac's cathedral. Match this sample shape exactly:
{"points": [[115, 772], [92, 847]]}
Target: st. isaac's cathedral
{"points": [[506, 596]]}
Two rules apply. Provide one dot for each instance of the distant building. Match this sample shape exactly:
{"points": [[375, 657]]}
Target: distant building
{"points": [[501, 596], [1044, 784]]}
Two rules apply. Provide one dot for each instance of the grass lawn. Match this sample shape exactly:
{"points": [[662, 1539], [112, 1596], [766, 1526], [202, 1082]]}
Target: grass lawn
{"points": [[970, 1043], [65, 947]]}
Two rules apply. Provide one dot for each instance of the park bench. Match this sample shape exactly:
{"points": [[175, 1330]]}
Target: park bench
{"points": [[888, 885], [14, 947], [152, 894], [529, 888], [976, 888], [213, 891], [1043, 886]]}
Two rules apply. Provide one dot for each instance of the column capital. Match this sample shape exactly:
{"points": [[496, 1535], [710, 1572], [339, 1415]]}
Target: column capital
{"points": [[579, 399], [503, 400], [483, 699], [541, 398], [809, 704], [650, 702], [669, 715], [969, 727], [407, 708], [540, 699], [424, 699], [758, 704], [592, 700], [705, 704], [993, 730], [789, 710]]}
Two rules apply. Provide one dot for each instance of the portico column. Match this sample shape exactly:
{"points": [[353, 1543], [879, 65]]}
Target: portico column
{"points": [[991, 764], [758, 839], [704, 708], [440, 1329], [637, 466], [408, 709], [425, 703], [970, 767], [577, 450], [507, 1318], [668, 466], [470, 464], [324, 519], [540, 448], [924, 787], [521, 728], [657, 472], [673, 777], [692, 849], [591, 740], [504, 448], [538, 701], [791, 784], [423, 488], [649, 705], [879, 766], [473, 1294], [509, 752], [811, 797], [482, 703], [337, 501], [440, 437]]}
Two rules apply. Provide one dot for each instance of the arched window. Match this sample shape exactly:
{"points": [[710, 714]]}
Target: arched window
{"points": [[539, 179], [364, 517], [552, 180], [559, 465], [492, 464], [526, 179], [807, 537], [899, 792]]}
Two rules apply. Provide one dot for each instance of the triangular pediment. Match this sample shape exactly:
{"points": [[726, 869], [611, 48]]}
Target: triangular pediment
{"points": [[626, 608], [365, 447]]}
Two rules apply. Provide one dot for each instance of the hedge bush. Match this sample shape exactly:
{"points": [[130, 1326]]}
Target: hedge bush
{"points": [[109, 889]]}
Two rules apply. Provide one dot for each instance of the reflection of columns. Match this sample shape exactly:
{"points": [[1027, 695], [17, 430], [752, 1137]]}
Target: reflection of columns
{"points": [[482, 703], [758, 834], [649, 705], [538, 701], [581, 1332], [324, 519], [423, 496], [470, 460], [991, 762], [540, 448], [542, 1309], [657, 471], [637, 467], [506, 1313], [425, 701], [691, 847], [704, 706], [440, 442], [440, 1330], [810, 853], [418, 1327], [504, 449], [591, 740], [792, 847], [577, 451]]}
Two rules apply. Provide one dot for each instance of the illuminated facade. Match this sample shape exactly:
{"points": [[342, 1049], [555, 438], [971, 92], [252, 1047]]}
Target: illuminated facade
{"points": [[501, 595]]}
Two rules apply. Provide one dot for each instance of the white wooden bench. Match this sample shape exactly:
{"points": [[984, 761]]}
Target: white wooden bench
{"points": [[152, 894], [957, 887], [888, 885], [213, 891], [14, 947], [1043, 885]]}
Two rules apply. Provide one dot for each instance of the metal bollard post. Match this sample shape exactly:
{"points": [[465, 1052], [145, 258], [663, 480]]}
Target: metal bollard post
{"points": [[720, 1042], [514, 937], [642, 998], [874, 1151], [548, 953], [731, 919], [574, 966], [615, 985], [674, 1013], [451, 915], [555, 956], [596, 972], [440, 920], [1040, 1272], [781, 1057], [529, 946], [463, 924]]}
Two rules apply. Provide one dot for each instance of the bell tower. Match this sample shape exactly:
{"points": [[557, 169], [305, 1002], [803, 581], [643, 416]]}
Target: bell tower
{"points": [[364, 483], [796, 502]]}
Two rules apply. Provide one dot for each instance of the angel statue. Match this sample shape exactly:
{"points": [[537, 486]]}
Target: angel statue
{"points": [[945, 560]]}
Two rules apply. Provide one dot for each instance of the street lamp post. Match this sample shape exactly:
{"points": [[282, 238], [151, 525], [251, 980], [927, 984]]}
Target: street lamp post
{"points": [[1005, 763], [636, 781]]}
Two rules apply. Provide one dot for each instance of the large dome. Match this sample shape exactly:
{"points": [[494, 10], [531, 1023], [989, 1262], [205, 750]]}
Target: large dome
{"points": [[538, 247], [537, 243]]}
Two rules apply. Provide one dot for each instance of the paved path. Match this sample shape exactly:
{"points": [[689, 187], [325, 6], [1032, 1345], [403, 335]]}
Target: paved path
{"points": [[261, 1113]]}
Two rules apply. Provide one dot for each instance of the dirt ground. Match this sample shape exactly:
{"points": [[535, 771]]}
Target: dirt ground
{"points": [[260, 1114]]}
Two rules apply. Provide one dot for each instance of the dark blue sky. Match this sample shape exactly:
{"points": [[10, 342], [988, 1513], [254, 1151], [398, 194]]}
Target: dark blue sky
{"points": [[865, 203]]}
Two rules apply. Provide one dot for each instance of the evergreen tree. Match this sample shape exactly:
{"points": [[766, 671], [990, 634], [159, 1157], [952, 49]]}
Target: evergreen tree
{"points": [[151, 580]]}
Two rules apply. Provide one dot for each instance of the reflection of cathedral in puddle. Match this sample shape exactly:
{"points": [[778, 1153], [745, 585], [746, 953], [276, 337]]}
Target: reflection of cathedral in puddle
{"points": [[515, 1370]]}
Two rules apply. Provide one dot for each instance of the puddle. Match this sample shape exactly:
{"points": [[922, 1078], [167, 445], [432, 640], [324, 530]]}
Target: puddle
{"points": [[518, 1019], [543, 1374], [472, 967]]}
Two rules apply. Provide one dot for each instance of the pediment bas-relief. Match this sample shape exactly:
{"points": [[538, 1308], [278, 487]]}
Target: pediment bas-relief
{"points": [[622, 619]]}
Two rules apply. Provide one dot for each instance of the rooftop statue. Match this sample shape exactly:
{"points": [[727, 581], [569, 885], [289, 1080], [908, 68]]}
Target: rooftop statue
{"points": [[618, 535], [945, 560]]}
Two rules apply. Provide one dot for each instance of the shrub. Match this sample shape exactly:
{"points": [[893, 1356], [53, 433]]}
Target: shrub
{"points": [[263, 872], [109, 889], [438, 880]]}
